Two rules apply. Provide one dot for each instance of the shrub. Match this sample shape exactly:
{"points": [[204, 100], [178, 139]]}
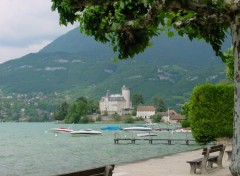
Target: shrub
{"points": [[156, 118], [185, 123], [129, 119], [98, 119], [212, 112], [117, 117]]}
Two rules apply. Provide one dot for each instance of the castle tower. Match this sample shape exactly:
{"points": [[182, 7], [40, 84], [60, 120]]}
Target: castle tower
{"points": [[126, 95]]}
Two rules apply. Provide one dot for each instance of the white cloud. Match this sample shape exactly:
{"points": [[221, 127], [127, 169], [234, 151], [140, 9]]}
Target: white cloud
{"points": [[26, 27]]}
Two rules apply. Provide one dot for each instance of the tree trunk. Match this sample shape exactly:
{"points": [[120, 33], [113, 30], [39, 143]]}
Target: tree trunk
{"points": [[235, 163]]}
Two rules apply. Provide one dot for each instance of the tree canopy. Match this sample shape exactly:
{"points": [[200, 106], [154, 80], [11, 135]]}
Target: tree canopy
{"points": [[129, 25]]}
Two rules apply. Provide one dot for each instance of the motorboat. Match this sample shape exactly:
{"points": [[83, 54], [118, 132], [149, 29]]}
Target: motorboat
{"points": [[61, 130], [85, 132], [144, 134], [183, 130], [110, 128], [137, 128]]}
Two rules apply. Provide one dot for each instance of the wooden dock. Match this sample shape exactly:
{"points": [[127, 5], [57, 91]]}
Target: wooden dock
{"points": [[150, 140]]}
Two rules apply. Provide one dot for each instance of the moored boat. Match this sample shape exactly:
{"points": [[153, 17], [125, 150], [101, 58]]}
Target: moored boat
{"points": [[136, 128], [111, 128], [144, 134], [183, 130], [61, 130], [85, 132]]}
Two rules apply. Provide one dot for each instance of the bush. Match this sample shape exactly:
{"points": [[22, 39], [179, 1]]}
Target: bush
{"points": [[139, 119], [212, 112], [117, 117], [156, 118], [129, 119], [98, 119], [185, 123]]}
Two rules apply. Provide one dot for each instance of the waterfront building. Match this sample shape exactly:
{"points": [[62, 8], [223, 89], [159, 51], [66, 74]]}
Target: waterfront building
{"points": [[146, 112], [116, 103]]}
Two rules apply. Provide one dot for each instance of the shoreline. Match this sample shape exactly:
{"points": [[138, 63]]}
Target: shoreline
{"points": [[168, 165]]}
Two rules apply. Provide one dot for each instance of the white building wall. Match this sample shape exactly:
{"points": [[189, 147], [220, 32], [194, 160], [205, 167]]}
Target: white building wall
{"points": [[145, 114]]}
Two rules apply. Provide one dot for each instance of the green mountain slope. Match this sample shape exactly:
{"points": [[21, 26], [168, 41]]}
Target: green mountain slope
{"points": [[75, 65]]}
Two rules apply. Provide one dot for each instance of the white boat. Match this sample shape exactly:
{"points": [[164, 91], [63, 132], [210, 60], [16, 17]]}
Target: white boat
{"points": [[61, 130], [85, 132], [136, 128], [144, 134], [183, 130]]}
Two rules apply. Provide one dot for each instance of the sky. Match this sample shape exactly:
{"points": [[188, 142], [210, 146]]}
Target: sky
{"points": [[26, 26]]}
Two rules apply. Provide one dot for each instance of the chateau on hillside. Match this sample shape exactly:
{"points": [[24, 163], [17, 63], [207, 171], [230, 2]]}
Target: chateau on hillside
{"points": [[116, 103]]}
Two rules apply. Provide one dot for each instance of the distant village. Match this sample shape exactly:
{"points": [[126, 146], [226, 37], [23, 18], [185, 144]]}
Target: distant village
{"points": [[122, 105]]}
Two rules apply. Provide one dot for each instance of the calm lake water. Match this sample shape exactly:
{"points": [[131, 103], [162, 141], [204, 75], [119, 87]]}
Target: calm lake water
{"points": [[31, 149]]}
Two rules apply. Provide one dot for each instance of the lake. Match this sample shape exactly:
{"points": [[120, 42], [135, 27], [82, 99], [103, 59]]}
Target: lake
{"points": [[31, 149]]}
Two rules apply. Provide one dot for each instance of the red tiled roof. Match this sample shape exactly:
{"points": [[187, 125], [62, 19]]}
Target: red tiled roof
{"points": [[178, 117], [145, 108]]}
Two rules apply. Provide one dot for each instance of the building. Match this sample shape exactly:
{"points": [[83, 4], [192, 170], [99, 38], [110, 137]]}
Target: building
{"points": [[146, 112], [116, 103], [171, 116]]}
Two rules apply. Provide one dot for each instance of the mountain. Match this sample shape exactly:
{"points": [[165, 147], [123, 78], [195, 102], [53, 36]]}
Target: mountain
{"points": [[76, 65]]}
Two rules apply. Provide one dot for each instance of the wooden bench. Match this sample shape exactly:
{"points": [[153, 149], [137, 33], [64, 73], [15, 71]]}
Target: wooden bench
{"points": [[206, 162], [99, 171]]}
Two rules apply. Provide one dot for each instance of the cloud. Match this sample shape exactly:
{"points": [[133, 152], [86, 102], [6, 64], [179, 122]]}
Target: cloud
{"points": [[27, 26]]}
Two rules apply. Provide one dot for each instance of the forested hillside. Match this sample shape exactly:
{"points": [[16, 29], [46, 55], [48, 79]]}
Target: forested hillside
{"points": [[75, 65]]}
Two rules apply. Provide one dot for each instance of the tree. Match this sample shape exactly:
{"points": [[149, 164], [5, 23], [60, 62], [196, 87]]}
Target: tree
{"points": [[61, 112], [137, 99], [185, 109], [129, 25], [159, 104], [78, 110]]}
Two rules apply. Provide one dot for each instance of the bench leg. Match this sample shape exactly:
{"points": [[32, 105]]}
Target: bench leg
{"points": [[203, 170], [193, 168], [210, 164]]}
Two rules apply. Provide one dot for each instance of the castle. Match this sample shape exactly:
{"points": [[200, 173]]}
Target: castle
{"points": [[116, 103]]}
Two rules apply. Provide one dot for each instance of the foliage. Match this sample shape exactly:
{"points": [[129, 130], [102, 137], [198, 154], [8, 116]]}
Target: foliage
{"points": [[137, 99], [78, 110], [138, 119], [61, 112], [185, 123], [159, 104], [134, 112], [117, 117], [129, 25], [212, 112], [128, 119], [156, 118], [229, 60], [185, 109], [98, 119], [84, 119]]}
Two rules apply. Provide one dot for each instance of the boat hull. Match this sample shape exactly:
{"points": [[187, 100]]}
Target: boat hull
{"points": [[85, 133]]}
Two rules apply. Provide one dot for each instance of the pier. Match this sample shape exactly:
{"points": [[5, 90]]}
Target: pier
{"points": [[150, 141], [170, 139]]}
